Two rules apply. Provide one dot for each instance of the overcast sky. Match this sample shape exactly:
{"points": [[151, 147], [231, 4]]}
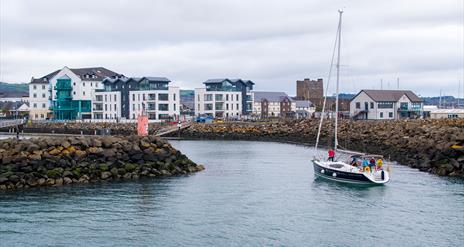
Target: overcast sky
{"points": [[273, 43]]}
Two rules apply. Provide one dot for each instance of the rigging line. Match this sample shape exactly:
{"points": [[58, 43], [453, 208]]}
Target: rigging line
{"points": [[326, 90]]}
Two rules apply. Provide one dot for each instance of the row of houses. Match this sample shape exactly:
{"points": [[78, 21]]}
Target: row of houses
{"points": [[103, 95]]}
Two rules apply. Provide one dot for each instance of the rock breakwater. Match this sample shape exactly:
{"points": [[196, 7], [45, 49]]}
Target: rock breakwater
{"points": [[434, 146], [67, 160]]}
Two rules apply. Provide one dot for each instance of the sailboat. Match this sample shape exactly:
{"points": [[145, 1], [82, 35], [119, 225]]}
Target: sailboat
{"points": [[342, 171]]}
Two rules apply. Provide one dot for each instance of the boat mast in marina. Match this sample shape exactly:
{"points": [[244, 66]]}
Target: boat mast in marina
{"points": [[338, 77]]}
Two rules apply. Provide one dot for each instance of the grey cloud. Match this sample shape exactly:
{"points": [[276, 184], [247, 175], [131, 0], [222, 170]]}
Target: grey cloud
{"points": [[271, 42]]}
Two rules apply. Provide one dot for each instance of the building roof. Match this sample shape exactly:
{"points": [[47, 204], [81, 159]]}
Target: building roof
{"points": [[270, 96], [233, 81], [98, 73], [389, 95], [44, 79], [86, 74], [303, 103], [155, 78]]}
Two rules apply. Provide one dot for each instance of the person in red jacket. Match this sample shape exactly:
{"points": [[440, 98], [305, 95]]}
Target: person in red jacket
{"points": [[331, 154]]}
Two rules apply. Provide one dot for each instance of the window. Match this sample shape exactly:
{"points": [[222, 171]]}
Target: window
{"points": [[385, 105], [115, 98], [143, 97], [174, 106], [236, 97], [74, 84], [35, 105], [110, 107], [133, 97], [227, 97], [219, 106], [163, 97], [96, 84], [218, 97], [42, 116], [36, 115], [138, 97], [106, 98], [83, 93], [208, 97], [198, 97], [43, 86], [390, 114], [133, 107], [231, 106], [35, 87], [227, 106], [106, 107], [208, 107], [163, 107], [174, 97], [44, 106], [237, 107], [416, 106], [91, 84], [404, 105], [358, 105], [35, 95], [381, 115], [372, 105], [83, 84], [43, 95], [74, 93]]}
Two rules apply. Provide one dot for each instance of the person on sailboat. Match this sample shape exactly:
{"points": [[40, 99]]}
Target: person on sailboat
{"points": [[379, 164], [331, 154]]}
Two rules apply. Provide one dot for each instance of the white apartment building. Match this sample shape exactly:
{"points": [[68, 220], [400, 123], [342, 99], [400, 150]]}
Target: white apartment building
{"points": [[127, 98], [39, 99], [385, 104], [156, 104], [218, 103], [224, 98], [66, 94]]}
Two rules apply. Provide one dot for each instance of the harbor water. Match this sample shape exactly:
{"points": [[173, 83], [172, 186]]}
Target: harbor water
{"points": [[251, 194]]}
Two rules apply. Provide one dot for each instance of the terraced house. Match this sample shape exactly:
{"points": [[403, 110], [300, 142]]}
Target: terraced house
{"points": [[66, 94], [386, 104], [224, 98], [124, 98]]}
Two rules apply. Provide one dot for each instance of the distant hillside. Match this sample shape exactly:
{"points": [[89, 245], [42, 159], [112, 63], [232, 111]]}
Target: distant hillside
{"points": [[13, 89]]}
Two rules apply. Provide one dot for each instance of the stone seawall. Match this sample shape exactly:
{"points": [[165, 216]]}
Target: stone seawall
{"points": [[435, 146], [67, 160]]}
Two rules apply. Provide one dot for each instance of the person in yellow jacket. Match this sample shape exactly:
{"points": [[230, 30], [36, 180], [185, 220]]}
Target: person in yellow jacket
{"points": [[379, 164]]}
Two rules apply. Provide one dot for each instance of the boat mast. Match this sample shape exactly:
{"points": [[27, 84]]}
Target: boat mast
{"points": [[338, 77]]}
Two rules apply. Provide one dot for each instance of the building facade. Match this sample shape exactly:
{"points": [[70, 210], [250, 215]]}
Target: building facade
{"points": [[304, 109], [447, 113], [127, 98], [224, 98], [69, 93], [272, 104], [386, 104], [39, 98], [310, 89]]}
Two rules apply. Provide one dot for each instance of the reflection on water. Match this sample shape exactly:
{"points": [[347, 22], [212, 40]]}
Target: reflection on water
{"points": [[251, 193]]}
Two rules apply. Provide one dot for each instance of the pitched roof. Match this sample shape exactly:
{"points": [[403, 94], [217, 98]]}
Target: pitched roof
{"points": [[270, 96], [44, 79], [390, 95], [303, 103], [155, 78], [100, 73]]}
